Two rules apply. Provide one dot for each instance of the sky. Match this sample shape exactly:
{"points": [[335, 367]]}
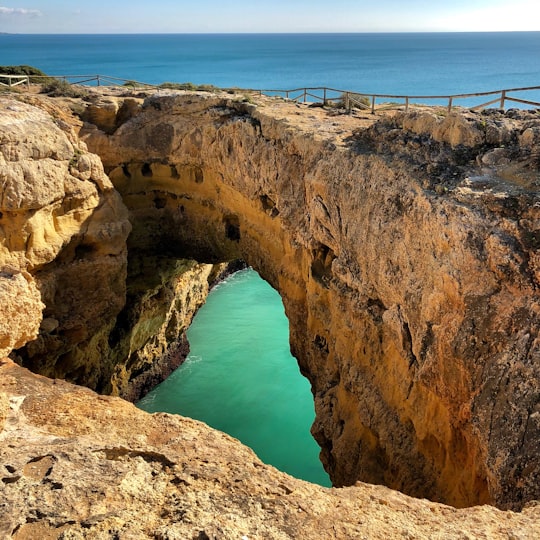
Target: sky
{"points": [[201, 16]]}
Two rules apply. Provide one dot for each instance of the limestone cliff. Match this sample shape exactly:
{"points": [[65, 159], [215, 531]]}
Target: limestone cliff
{"points": [[66, 287], [149, 339], [406, 255], [75, 465], [63, 230], [405, 250]]}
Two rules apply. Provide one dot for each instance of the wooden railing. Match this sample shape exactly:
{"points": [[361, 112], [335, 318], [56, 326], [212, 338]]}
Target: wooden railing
{"points": [[14, 80], [368, 101], [100, 80], [324, 95], [105, 80]]}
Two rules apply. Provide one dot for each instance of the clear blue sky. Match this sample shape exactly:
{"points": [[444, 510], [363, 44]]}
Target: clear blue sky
{"points": [[179, 16]]}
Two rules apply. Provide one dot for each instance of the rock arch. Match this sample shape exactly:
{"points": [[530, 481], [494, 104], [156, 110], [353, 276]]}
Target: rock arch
{"points": [[411, 296]]}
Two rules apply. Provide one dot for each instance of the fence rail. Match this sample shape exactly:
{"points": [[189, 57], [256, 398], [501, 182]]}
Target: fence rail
{"points": [[14, 80], [321, 94], [368, 101], [100, 80]]}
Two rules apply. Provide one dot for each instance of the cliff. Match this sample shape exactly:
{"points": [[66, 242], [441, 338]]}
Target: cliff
{"points": [[404, 248], [405, 251], [77, 465], [63, 229], [113, 322]]}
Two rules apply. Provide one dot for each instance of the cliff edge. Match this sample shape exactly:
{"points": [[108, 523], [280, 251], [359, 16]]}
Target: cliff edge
{"points": [[76, 465]]}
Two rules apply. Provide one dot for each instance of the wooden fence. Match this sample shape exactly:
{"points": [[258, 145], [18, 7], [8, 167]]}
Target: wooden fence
{"points": [[98, 80], [324, 95], [372, 102], [14, 80]]}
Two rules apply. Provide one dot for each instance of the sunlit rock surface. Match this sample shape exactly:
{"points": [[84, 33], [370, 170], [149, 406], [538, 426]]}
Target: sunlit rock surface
{"points": [[63, 242], [63, 230], [405, 249], [77, 465]]}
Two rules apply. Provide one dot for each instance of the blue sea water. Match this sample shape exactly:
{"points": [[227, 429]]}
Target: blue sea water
{"points": [[399, 63], [240, 377]]}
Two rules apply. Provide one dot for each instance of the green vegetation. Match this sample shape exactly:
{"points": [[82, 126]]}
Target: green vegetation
{"points": [[178, 86], [61, 88], [208, 88], [190, 86], [355, 101], [24, 70], [134, 84]]}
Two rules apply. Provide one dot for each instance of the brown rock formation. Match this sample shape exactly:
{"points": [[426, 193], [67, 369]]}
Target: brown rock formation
{"points": [[408, 272], [409, 275], [63, 231], [149, 341], [75, 465], [21, 310], [63, 241]]}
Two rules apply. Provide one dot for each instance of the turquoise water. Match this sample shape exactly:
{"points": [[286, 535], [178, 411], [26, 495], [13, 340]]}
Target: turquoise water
{"points": [[393, 63], [241, 378]]}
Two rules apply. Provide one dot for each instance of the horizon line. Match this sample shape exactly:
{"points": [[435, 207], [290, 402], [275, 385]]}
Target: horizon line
{"points": [[333, 32]]}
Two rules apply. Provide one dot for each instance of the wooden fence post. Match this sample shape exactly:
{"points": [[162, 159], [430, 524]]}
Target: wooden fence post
{"points": [[503, 98], [98, 82], [372, 104], [407, 103], [450, 104]]}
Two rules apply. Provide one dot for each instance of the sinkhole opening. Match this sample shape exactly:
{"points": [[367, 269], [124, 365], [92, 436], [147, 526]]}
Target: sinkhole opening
{"points": [[241, 378]]}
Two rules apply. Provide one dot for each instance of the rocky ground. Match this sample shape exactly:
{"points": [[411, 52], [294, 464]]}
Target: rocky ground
{"points": [[78, 465]]}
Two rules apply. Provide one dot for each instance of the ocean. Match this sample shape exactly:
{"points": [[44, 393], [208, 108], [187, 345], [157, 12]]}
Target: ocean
{"points": [[399, 63], [240, 377]]}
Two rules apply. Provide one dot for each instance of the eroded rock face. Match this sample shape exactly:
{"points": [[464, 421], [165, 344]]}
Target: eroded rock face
{"points": [[67, 295], [63, 230], [75, 465], [21, 310], [149, 339], [406, 258], [405, 252]]}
